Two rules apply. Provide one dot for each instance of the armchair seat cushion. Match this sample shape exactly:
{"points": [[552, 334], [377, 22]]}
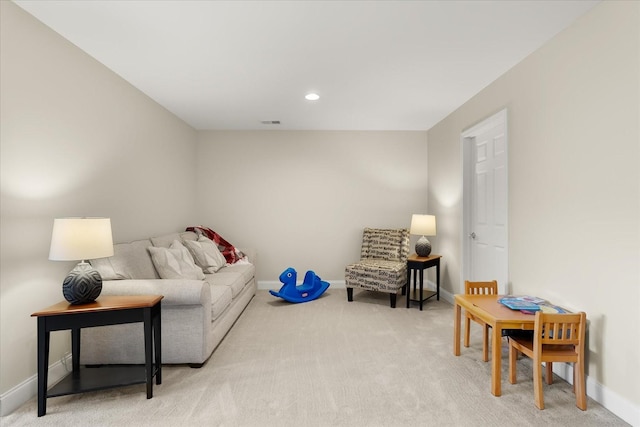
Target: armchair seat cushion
{"points": [[377, 275]]}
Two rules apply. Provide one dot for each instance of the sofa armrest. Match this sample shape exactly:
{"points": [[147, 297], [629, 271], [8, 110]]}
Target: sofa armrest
{"points": [[175, 291], [251, 253]]}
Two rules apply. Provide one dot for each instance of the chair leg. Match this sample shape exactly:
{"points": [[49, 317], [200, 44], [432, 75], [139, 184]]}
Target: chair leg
{"points": [[467, 326], [349, 294], [549, 373], [537, 384], [578, 383], [513, 359], [485, 343], [392, 300]]}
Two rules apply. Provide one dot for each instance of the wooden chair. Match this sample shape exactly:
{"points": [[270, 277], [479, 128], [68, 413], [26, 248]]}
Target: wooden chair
{"points": [[479, 288], [557, 338]]}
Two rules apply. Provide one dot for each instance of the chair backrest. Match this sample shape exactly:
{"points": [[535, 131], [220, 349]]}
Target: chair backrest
{"points": [[559, 329], [481, 288], [386, 244]]}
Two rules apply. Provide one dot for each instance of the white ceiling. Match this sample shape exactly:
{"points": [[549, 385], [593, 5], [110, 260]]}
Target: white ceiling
{"points": [[377, 65]]}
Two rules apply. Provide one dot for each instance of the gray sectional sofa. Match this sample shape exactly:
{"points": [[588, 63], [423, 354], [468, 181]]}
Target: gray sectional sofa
{"points": [[196, 313]]}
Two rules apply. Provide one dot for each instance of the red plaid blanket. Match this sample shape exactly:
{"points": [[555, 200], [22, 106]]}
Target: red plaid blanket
{"points": [[231, 254]]}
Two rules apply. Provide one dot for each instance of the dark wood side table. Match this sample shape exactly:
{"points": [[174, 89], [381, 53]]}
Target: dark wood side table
{"points": [[106, 310], [417, 264]]}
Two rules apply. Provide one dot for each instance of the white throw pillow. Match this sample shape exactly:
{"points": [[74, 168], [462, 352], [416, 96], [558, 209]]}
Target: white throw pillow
{"points": [[175, 262], [206, 254]]}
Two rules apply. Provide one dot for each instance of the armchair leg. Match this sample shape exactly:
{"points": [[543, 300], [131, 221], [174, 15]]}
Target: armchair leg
{"points": [[392, 300], [349, 294]]}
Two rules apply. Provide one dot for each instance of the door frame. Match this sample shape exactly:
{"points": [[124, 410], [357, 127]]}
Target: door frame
{"points": [[466, 137]]}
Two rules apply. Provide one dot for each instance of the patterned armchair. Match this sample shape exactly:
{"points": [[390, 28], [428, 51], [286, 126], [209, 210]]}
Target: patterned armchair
{"points": [[383, 263]]}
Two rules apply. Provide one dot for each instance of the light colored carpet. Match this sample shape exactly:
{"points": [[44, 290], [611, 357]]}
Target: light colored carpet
{"points": [[330, 363]]}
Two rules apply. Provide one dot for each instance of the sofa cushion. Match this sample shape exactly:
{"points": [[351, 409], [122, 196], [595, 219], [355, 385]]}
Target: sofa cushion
{"points": [[129, 261], [220, 299], [206, 254], [246, 270], [166, 240], [175, 262], [234, 276]]}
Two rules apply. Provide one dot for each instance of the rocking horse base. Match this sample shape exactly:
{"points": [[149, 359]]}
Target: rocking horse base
{"points": [[310, 289]]}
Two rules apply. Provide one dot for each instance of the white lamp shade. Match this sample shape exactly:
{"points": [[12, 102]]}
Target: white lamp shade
{"points": [[423, 225], [75, 239]]}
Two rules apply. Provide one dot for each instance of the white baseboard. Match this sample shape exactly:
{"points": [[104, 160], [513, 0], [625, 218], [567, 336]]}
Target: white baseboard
{"points": [[275, 285], [23, 392], [340, 284], [611, 400]]}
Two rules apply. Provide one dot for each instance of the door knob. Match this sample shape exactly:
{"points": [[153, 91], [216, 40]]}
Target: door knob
{"points": [[472, 235]]}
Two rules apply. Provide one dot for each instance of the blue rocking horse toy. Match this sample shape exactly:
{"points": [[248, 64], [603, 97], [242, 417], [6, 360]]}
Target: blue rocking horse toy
{"points": [[311, 289]]}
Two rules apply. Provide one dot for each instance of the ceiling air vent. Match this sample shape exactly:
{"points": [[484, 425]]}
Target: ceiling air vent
{"points": [[270, 122]]}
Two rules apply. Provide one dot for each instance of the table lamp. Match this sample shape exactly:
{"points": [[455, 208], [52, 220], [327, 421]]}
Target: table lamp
{"points": [[423, 225], [81, 239]]}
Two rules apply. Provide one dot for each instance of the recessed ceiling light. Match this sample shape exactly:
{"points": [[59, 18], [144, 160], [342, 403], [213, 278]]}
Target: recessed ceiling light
{"points": [[312, 97]]}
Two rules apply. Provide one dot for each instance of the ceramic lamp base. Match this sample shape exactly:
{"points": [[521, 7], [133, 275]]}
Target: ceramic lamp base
{"points": [[82, 285], [423, 247]]}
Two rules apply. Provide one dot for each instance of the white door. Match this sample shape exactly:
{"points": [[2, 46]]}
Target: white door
{"points": [[485, 202]]}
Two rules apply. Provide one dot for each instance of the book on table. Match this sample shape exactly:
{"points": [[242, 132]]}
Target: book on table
{"points": [[528, 304], [523, 303]]}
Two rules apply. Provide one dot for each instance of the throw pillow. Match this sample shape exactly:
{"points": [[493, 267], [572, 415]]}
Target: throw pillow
{"points": [[230, 253], [206, 254], [175, 262]]}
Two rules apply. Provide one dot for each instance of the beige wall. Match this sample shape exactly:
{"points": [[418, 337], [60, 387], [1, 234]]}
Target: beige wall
{"points": [[301, 198], [79, 141], [76, 140], [574, 183]]}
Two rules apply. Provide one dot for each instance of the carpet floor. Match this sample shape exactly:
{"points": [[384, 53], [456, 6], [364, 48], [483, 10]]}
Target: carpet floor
{"points": [[330, 363]]}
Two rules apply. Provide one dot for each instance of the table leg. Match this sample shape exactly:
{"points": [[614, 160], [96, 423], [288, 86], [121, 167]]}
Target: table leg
{"points": [[438, 279], [408, 286], [75, 351], [496, 360], [457, 311], [157, 339], [43, 365], [421, 286], [415, 279], [148, 351]]}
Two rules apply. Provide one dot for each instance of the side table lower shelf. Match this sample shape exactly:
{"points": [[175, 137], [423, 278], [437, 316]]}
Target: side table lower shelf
{"points": [[100, 378], [426, 294]]}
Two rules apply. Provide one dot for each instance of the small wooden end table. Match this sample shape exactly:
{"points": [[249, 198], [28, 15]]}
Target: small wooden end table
{"points": [[417, 264], [106, 310]]}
